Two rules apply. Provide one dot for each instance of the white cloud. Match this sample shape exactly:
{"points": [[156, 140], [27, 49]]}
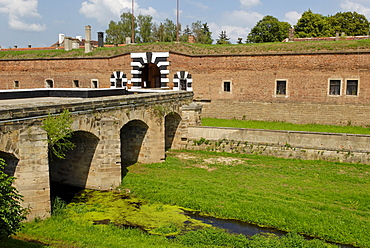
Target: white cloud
{"points": [[17, 10], [197, 4], [249, 3], [106, 10], [241, 18], [292, 17], [348, 5], [237, 24], [233, 32]]}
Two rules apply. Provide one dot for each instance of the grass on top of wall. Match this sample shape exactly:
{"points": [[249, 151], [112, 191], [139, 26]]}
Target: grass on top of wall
{"points": [[271, 125], [196, 49]]}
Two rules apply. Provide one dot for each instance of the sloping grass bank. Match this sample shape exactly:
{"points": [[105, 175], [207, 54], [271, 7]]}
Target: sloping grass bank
{"points": [[270, 125], [197, 49], [321, 199]]}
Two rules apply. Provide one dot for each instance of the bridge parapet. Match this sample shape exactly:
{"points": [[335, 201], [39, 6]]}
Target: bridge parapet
{"points": [[15, 109]]}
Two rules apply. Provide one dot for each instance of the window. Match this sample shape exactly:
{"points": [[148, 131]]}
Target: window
{"points": [[16, 84], [49, 83], [76, 83], [334, 87], [352, 87], [280, 87], [94, 83], [227, 86]]}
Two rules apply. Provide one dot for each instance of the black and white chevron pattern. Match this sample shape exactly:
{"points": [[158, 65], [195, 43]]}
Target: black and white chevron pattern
{"points": [[118, 80], [140, 59], [182, 81]]}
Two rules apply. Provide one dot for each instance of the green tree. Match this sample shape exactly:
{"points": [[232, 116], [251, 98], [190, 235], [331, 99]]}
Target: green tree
{"points": [[269, 29], [223, 39], [165, 32], [312, 25], [185, 34], [11, 212], [201, 32], [117, 32], [158, 32], [145, 26], [59, 131], [169, 30], [351, 23]]}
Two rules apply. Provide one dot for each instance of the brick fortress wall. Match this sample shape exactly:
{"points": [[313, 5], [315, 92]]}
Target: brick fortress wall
{"points": [[33, 73], [252, 81]]}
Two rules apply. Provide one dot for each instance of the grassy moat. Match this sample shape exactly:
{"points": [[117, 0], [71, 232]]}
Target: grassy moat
{"points": [[324, 200]]}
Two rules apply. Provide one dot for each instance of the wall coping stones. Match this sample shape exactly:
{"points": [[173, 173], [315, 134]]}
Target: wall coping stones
{"points": [[287, 131]]}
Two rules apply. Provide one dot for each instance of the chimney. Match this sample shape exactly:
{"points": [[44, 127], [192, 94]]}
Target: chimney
{"points": [[61, 38], [191, 38], [291, 34], [67, 43], [100, 39], [128, 40], [88, 47]]}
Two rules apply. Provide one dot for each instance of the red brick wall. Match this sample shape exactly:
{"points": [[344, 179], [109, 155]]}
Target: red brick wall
{"points": [[33, 73], [253, 77], [253, 81]]}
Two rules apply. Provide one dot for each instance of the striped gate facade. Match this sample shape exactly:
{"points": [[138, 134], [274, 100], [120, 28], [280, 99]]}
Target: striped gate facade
{"points": [[118, 80], [182, 81], [140, 59]]}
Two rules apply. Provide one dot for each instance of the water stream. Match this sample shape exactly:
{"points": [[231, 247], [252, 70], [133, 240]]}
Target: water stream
{"points": [[235, 226], [244, 228]]}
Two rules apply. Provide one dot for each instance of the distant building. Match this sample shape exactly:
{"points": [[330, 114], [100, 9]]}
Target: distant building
{"points": [[81, 42]]}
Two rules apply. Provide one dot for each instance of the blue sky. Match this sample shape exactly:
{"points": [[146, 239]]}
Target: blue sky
{"points": [[38, 22]]}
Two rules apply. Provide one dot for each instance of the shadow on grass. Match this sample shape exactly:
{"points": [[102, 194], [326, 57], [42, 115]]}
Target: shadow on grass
{"points": [[16, 243]]}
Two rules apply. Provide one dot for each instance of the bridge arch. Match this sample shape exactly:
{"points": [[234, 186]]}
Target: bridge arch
{"points": [[171, 125], [11, 162], [75, 169], [132, 135]]}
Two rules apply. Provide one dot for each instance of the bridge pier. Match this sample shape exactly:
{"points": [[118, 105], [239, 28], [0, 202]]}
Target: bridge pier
{"points": [[26, 152]]}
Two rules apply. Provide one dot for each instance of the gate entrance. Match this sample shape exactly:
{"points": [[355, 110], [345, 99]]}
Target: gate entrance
{"points": [[150, 76]]}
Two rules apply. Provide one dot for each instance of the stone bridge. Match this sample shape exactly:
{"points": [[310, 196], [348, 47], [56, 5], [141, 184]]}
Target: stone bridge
{"points": [[109, 132]]}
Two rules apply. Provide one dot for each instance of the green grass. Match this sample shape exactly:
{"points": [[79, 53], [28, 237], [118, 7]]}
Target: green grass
{"points": [[213, 122], [197, 49], [321, 199], [63, 232]]}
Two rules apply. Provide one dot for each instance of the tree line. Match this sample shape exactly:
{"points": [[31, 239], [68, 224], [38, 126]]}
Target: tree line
{"points": [[146, 31], [268, 29]]}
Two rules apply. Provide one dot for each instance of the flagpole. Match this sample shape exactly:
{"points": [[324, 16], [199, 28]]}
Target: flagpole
{"points": [[133, 24], [177, 22]]}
